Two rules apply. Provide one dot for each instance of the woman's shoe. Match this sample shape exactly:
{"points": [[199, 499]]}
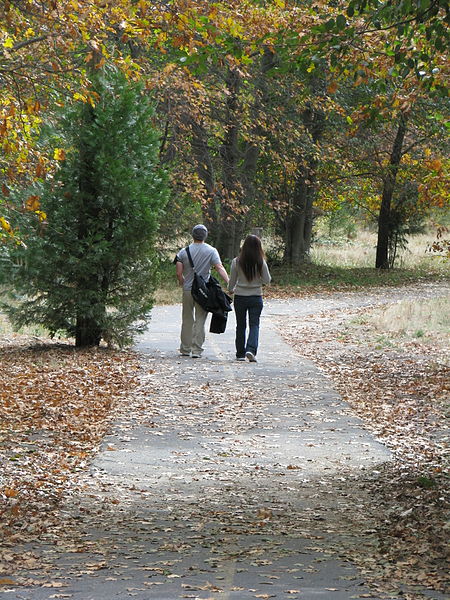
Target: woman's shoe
{"points": [[251, 357]]}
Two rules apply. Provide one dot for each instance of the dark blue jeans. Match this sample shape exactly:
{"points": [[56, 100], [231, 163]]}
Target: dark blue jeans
{"points": [[251, 305]]}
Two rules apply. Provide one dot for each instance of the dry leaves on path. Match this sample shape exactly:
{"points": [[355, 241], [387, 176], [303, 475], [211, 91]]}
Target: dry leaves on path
{"points": [[399, 387], [55, 405]]}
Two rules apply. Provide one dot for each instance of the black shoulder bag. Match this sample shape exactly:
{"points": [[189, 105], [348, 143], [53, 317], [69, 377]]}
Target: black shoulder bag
{"points": [[201, 292]]}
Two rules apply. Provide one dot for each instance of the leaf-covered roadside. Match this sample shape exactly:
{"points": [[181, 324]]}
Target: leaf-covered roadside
{"points": [[399, 387], [55, 405]]}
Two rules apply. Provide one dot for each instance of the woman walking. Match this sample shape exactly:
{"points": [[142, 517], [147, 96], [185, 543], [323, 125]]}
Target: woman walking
{"points": [[249, 272]]}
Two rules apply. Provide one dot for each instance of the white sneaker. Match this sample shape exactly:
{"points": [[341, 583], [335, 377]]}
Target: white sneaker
{"points": [[240, 358], [251, 357], [195, 355]]}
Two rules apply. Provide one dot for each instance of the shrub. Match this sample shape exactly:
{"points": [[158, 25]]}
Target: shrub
{"points": [[90, 269]]}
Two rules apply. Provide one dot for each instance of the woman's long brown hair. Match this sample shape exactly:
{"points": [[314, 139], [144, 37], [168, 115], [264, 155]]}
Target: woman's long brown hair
{"points": [[251, 257]]}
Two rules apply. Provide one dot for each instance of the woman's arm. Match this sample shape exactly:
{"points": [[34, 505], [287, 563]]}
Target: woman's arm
{"points": [[233, 276], [265, 275]]}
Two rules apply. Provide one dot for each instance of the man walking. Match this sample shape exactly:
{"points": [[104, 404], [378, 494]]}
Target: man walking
{"points": [[194, 316]]}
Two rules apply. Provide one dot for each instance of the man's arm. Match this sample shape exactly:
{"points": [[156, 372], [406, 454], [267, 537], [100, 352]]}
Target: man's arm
{"points": [[222, 272], [179, 271]]}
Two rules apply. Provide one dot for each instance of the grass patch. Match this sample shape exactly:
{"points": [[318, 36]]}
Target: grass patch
{"points": [[361, 250], [332, 277], [32, 330], [349, 264], [169, 291], [427, 321], [168, 295]]}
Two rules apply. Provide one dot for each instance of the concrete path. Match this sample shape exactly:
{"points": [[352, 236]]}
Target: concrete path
{"points": [[220, 480]]}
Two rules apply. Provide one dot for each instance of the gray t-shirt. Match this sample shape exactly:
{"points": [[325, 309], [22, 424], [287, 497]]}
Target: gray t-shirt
{"points": [[203, 256]]}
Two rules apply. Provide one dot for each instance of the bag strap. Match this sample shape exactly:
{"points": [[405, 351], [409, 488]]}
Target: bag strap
{"points": [[191, 262], [188, 252]]}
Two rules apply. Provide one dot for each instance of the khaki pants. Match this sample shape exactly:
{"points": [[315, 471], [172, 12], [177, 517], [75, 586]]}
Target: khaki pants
{"points": [[193, 325]]}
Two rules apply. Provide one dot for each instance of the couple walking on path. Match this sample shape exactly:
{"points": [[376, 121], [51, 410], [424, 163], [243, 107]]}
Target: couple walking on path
{"points": [[249, 272]]}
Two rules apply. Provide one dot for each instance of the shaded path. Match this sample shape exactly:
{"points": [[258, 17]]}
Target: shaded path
{"points": [[220, 479]]}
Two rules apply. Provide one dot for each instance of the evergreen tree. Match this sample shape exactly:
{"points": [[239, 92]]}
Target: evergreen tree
{"points": [[92, 270]]}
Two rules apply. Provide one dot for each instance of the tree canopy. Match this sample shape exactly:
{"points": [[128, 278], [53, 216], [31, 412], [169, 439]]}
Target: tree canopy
{"points": [[243, 89]]}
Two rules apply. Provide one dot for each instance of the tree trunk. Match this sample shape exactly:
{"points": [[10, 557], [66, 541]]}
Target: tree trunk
{"points": [[252, 149], [299, 222], [87, 332], [205, 170], [384, 217], [230, 155], [298, 227]]}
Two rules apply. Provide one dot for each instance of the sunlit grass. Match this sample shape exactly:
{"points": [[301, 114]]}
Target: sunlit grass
{"points": [[425, 321], [168, 293], [4, 324], [350, 264], [414, 319], [353, 253], [360, 252], [6, 329]]}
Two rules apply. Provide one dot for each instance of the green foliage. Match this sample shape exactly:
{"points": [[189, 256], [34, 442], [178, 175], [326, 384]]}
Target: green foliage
{"points": [[427, 483], [421, 28], [338, 224], [181, 212], [91, 269]]}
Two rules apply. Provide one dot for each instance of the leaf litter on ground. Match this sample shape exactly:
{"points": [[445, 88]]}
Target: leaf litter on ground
{"points": [[49, 442], [398, 383], [56, 403]]}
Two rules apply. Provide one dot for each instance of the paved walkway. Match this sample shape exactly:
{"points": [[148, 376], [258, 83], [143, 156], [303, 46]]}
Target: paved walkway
{"points": [[221, 480]]}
